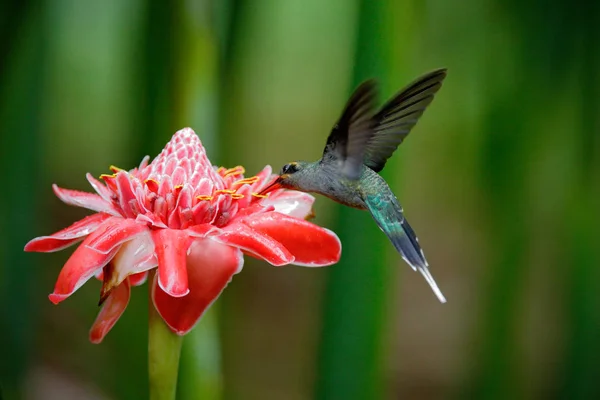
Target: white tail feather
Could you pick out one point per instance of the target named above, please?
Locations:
(427, 275)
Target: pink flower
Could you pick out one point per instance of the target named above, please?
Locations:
(188, 219)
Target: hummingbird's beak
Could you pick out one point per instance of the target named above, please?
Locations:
(276, 184)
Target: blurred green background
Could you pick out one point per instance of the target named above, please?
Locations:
(500, 180)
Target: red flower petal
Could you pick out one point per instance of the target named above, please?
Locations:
(123, 230)
(99, 187)
(201, 230)
(68, 236)
(86, 200)
(171, 246)
(111, 311)
(264, 177)
(134, 257)
(125, 193)
(81, 266)
(252, 209)
(211, 266)
(138, 279)
(255, 243)
(311, 245)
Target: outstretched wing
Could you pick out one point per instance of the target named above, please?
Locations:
(348, 138)
(396, 119)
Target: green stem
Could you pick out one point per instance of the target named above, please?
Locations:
(164, 349)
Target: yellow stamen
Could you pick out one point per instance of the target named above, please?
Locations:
(237, 196)
(224, 191)
(262, 196)
(204, 197)
(220, 170)
(247, 181)
(115, 169)
(239, 170)
(105, 176)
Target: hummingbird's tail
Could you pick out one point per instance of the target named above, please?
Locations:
(408, 246)
(391, 221)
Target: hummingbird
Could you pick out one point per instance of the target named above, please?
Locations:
(357, 149)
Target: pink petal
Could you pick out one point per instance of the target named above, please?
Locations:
(311, 245)
(171, 248)
(81, 266)
(151, 219)
(111, 311)
(144, 163)
(264, 177)
(135, 256)
(252, 209)
(125, 193)
(211, 266)
(291, 202)
(255, 243)
(99, 187)
(109, 180)
(117, 233)
(271, 185)
(138, 279)
(86, 200)
(202, 230)
(134, 279)
(68, 236)
(99, 275)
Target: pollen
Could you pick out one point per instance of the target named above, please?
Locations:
(105, 176)
(237, 196)
(204, 197)
(262, 196)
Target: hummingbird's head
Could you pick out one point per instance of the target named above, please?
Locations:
(291, 176)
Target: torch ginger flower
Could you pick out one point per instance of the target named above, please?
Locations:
(190, 221)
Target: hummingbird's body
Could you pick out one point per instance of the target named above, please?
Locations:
(357, 149)
(328, 181)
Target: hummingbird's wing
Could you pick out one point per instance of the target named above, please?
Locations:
(386, 211)
(395, 119)
(347, 141)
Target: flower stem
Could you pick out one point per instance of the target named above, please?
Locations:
(164, 349)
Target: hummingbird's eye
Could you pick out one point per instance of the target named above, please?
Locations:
(288, 169)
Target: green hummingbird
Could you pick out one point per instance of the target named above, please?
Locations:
(357, 149)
